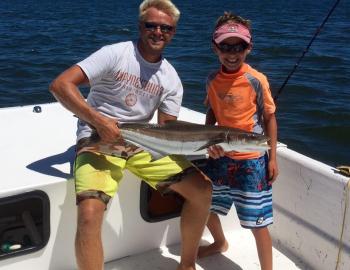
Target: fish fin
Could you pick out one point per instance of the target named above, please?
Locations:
(155, 155)
(213, 141)
(179, 122)
(136, 124)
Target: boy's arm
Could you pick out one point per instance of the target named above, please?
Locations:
(271, 131)
(210, 118)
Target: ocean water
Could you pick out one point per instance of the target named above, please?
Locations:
(39, 39)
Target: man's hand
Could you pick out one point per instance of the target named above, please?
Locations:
(108, 130)
(216, 151)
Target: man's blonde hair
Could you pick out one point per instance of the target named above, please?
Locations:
(164, 5)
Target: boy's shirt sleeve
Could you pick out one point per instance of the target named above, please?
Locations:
(269, 104)
(206, 99)
(210, 77)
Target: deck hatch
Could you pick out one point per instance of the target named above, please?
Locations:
(24, 223)
(155, 207)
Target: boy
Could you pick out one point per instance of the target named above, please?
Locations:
(238, 96)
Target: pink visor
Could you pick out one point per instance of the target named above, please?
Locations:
(232, 30)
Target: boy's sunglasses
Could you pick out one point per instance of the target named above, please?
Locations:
(164, 28)
(232, 48)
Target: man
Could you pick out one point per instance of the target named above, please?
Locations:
(129, 81)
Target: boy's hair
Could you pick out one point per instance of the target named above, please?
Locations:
(230, 17)
(164, 5)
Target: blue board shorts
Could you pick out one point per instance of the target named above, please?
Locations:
(244, 183)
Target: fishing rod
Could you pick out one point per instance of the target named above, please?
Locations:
(306, 50)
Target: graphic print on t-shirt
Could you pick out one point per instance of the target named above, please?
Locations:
(137, 87)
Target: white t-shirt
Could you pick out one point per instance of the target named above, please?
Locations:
(127, 87)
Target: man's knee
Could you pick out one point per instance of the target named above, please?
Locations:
(205, 190)
(203, 181)
(196, 187)
(204, 185)
(90, 213)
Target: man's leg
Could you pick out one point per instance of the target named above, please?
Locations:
(178, 174)
(96, 181)
(88, 244)
(220, 244)
(195, 188)
(264, 247)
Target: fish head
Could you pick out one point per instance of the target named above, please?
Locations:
(247, 138)
(259, 139)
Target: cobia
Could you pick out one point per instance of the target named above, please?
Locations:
(184, 138)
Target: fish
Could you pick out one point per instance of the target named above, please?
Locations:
(184, 138)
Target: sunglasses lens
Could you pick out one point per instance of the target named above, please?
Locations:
(235, 48)
(164, 28)
(150, 26)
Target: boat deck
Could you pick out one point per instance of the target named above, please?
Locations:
(241, 255)
(311, 207)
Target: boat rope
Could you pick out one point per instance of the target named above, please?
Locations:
(305, 50)
(345, 170)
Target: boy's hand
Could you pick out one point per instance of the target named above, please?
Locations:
(216, 151)
(273, 171)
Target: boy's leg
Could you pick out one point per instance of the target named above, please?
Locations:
(220, 244)
(196, 190)
(256, 212)
(264, 247)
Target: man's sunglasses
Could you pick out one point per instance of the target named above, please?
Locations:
(232, 48)
(164, 28)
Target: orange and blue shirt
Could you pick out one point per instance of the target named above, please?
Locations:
(239, 100)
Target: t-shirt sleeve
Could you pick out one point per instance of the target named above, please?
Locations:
(172, 101)
(97, 64)
(206, 101)
(269, 104)
(208, 81)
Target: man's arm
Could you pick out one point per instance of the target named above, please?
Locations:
(271, 131)
(163, 117)
(65, 90)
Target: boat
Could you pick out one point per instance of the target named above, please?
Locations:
(311, 227)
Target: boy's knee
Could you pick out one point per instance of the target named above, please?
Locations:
(261, 232)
